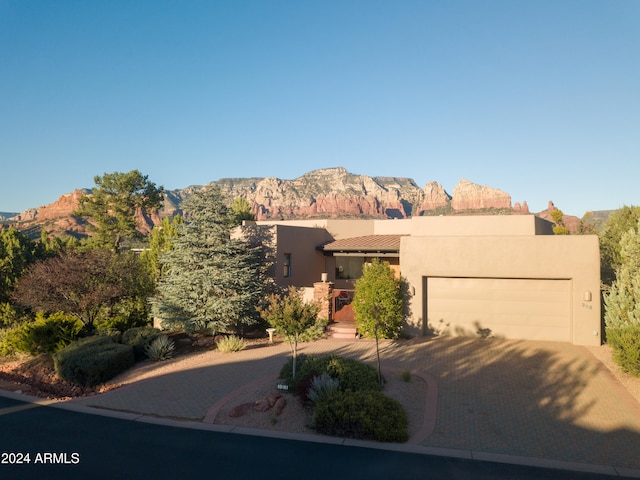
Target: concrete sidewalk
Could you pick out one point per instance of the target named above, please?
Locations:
(535, 403)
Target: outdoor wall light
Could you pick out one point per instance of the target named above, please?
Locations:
(586, 296)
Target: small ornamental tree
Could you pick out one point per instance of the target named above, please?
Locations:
(289, 314)
(82, 283)
(378, 302)
(622, 306)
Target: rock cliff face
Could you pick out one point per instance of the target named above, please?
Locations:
(433, 197)
(56, 218)
(62, 207)
(326, 193)
(329, 192)
(470, 196)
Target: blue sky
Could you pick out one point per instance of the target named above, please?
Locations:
(539, 98)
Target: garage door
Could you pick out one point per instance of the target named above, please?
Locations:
(533, 309)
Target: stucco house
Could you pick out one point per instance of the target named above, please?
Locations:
(501, 276)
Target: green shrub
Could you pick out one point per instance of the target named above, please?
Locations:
(114, 333)
(625, 345)
(10, 316)
(92, 360)
(127, 314)
(232, 343)
(7, 341)
(161, 348)
(139, 338)
(45, 334)
(352, 374)
(315, 331)
(366, 415)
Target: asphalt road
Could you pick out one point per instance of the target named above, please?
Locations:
(69, 445)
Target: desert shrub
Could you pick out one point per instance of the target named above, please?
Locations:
(366, 415)
(352, 374)
(139, 338)
(625, 347)
(405, 376)
(92, 360)
(45, 334)
(322, 387)
(308, 366)
(114, 333)
(160, 348)
(315, 331)
(232, 343)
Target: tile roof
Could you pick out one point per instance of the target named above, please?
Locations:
(368, 243)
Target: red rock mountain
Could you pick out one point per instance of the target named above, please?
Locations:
(326, 193)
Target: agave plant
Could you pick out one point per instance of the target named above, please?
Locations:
(161, 348)
(322, 387)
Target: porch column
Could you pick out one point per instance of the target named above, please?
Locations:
(323, 297)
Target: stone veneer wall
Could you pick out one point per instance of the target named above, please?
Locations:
(323, 297)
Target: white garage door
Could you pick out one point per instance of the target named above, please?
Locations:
(532, 309)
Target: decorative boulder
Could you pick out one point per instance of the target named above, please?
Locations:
(240, 410)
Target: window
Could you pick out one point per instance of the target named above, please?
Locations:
(349, 268)
(287, 265)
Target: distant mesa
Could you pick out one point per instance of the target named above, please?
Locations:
(323, 193)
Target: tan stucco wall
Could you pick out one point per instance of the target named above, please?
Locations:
(480, 225)
(393, 227)
(307, 265)
(543, 256)
(337, 229)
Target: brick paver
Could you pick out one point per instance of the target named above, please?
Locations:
(535, 399)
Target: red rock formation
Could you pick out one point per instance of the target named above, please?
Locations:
(524, 208)
(571, 222)
(434, 197)
(325, 193)
(471, 196)
(57, 217)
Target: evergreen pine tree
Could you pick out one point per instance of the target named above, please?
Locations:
(210, 280)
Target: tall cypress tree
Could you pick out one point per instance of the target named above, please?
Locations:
(210, 280)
